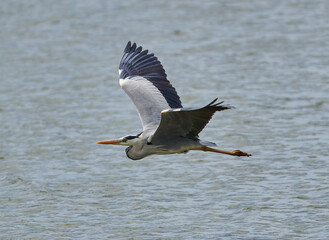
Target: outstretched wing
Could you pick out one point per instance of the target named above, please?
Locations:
(186, 122)
(143, 78)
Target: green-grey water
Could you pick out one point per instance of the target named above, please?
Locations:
(59, 95)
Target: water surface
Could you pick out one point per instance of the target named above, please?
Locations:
(59, 95)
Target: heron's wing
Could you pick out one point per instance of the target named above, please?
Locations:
(186, 122)
(143, 78)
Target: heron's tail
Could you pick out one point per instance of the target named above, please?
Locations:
(206, 143)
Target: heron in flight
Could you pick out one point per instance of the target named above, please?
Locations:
(167, 126)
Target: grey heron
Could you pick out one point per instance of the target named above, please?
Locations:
(167, 126)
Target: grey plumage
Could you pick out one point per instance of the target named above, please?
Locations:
(136, 62)
(167, 126)
(187, 122)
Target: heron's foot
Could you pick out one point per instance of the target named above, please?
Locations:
(240, 153)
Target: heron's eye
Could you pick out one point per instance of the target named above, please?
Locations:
(124, 140)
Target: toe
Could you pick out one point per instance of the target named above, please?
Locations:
(240, 153)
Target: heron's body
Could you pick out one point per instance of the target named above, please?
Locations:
(167, 126)
(143, 149)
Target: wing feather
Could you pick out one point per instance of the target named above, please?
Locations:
(186, 122)
(138, 62)
(147, 99)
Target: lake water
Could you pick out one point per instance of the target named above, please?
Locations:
(59, 95)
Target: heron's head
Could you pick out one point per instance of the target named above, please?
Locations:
(124, 141)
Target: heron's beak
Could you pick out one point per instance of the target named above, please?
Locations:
(115, 142)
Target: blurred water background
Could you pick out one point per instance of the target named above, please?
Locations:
(59, 95)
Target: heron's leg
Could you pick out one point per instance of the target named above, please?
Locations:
(234, 152)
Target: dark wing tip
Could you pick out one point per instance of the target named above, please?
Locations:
(139, 49)
(136, 62)
(213, 101)
(127, 48)
(133, 47)
(218, 106)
